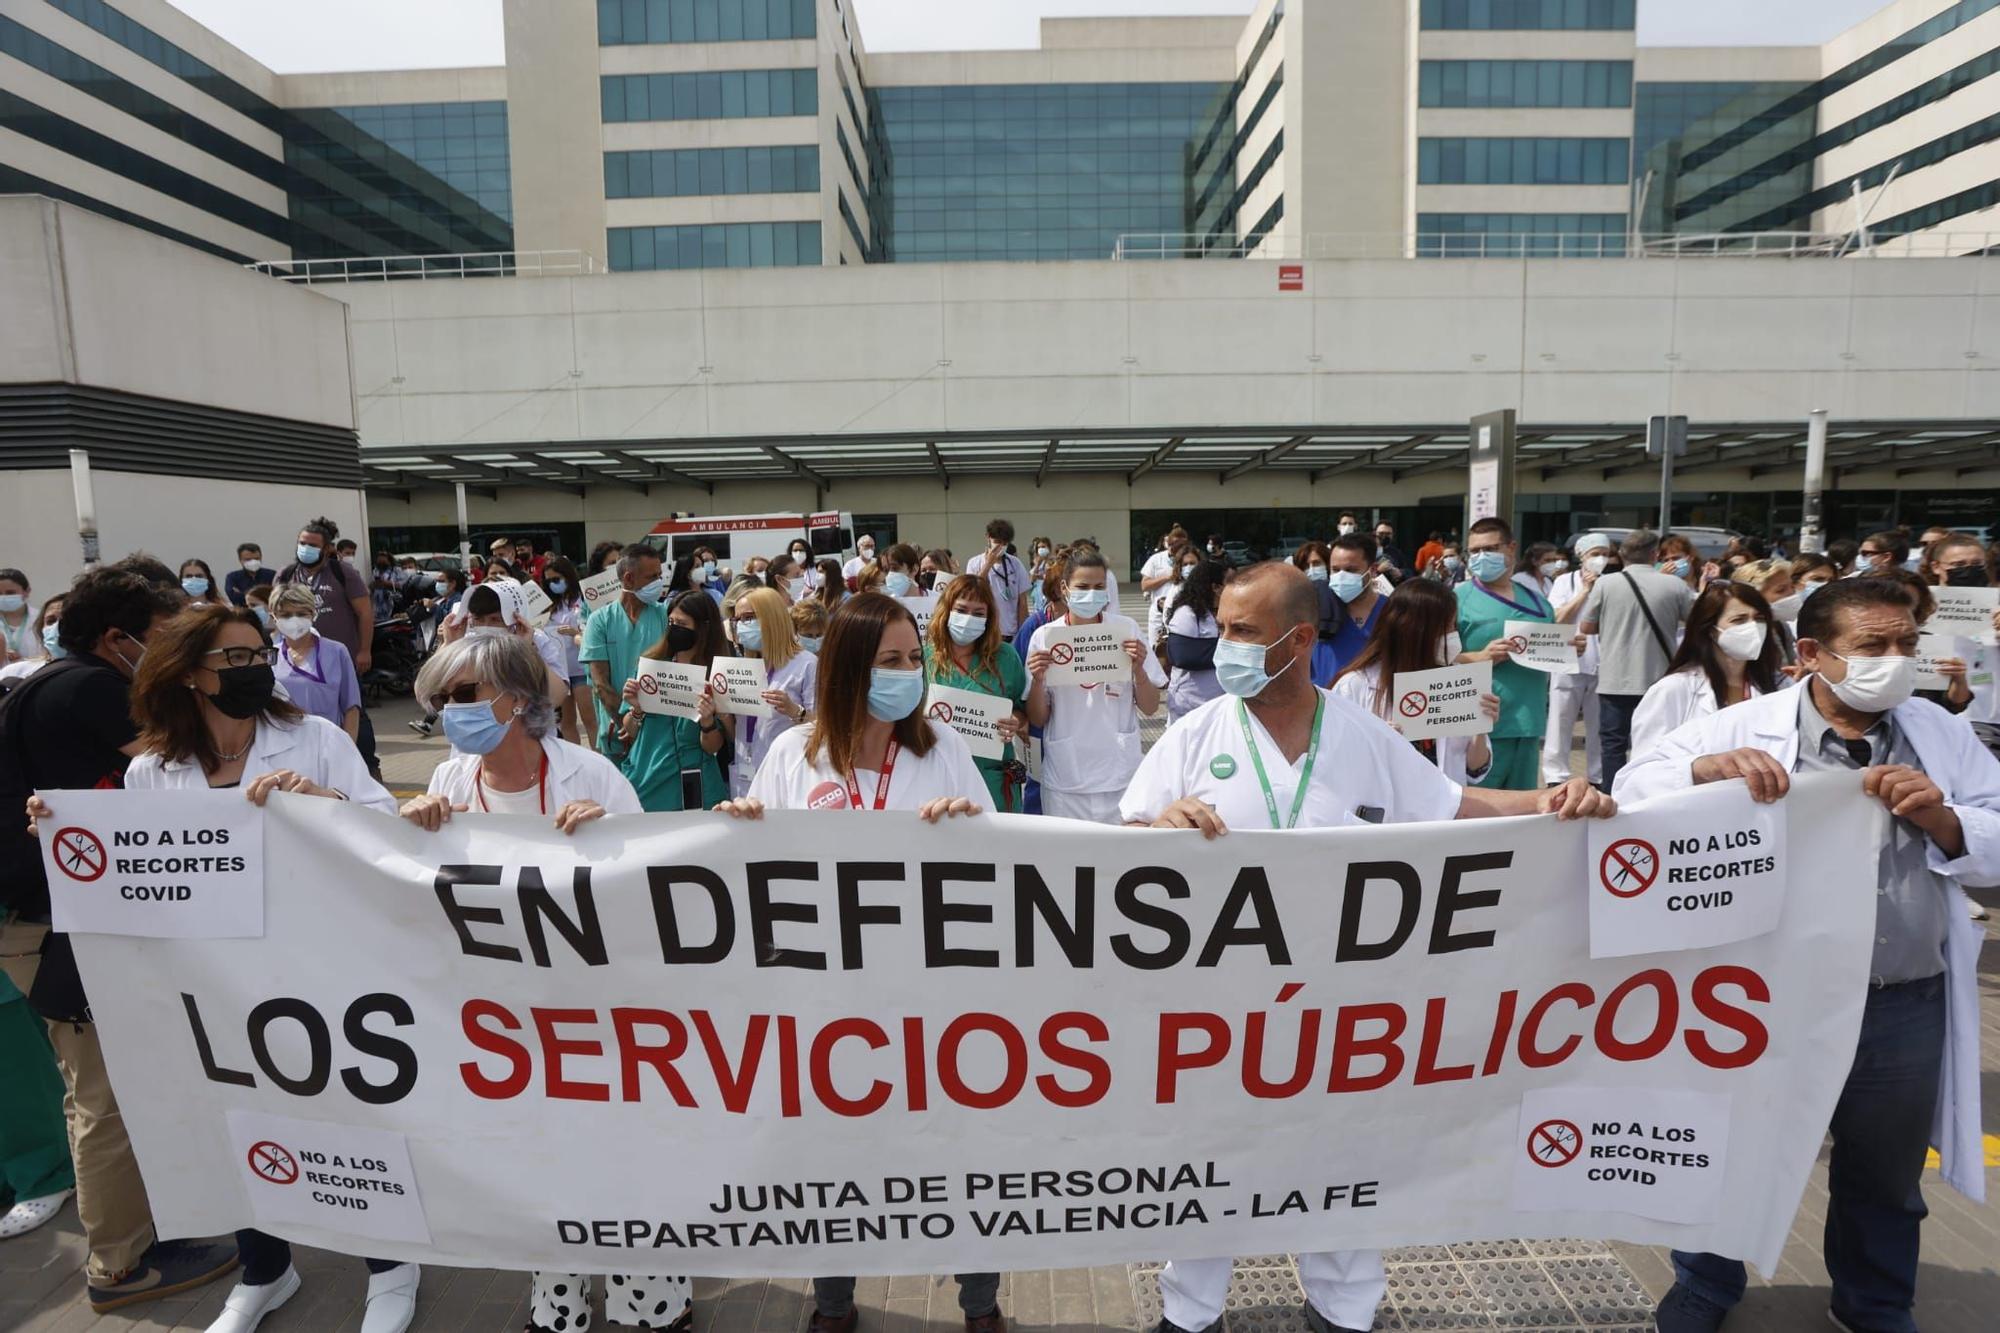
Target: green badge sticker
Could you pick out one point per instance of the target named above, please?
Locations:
(1223, 766)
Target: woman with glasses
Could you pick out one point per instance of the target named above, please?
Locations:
(204, 698)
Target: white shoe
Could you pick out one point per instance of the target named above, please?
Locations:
(392, 1299)
(27, 1214)
(247, 1306)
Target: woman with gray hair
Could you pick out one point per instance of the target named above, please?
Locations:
(507, 758)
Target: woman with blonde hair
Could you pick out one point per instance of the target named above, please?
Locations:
(763, 625)
(317, 674)
(965, 650)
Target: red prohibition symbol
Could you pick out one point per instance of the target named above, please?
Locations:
(941, 711)
(720, 684)
(1413, 704)
(1554, 1143)
(649, 684)
(1628, 867)
(273, 1162)
(80, 854)
(1062, 654)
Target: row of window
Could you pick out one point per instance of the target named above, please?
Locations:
(725, 95)
(714, 245)
(1524, 83)
(1533, 15)
(966, 215)
(143, 42)
(1520, 235)
(1798, 210)
(644, 22)
(677, 172)
(983, 99)
(1507, 161)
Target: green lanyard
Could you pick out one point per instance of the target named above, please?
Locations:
(1305, 774)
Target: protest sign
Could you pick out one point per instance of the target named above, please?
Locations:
(535, 603)
(1706, 868)
(1086, 654)
(176, 864)
(672, 688)
(681, 1044)
(600, 589)
(921, 608)
(1966, 612)
(1542, 647)
(1933, 648)
(1443, 701)
(974, 715)
(737, 685)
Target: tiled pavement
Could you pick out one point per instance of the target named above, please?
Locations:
(1538, 1286)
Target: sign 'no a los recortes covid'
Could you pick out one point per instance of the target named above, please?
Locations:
(872, 1045)
(167, 863)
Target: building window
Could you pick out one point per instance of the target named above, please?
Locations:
(1520, 235)
(726, 95)
(668, 173)
(714, 245)
(642, 22)
(1531, 15)
(1525, 83)
(1478, 161)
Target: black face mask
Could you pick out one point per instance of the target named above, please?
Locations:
(679, 638)
(1972, 576)
(246, 691)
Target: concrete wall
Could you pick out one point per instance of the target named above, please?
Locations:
(554, 122)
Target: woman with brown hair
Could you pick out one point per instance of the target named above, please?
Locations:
(831, 585)
(676, 763)
(1417, 630)
(1729, 653)
(964, 650)
(896, 569)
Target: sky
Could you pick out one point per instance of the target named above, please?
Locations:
(399, 34)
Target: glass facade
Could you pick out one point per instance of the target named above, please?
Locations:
(1524, 83)
(1040, 171)
(677, 172)
(411, 178)
(1672, 126)
(1529, 235)
(1531, 15)
(724, 95)
(715, 245)
(640, 22)
(1479, 161)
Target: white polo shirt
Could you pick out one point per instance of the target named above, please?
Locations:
(786, 781)
(1091, 740)
(1361, 764)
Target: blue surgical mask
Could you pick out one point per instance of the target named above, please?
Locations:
(894, 695)
(1239, 667)
(1487, 566)
(1678, 568)
(965, 630)
(472, 728)
(558, 586)
(708, 569)
(308, 555)
(10, 602)
(810, 644)
(897, 584)
(54, 649)
(194, 585)
(749, 636)
(263, 615)
(652, 592)
(1317, 573)
(1808, 589)
(1347, 584)
(1087, 602)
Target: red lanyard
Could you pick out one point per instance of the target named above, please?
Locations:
(541, 785)
(881, 784)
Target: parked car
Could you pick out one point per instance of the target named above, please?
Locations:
(1709, 543)
(1238, 554)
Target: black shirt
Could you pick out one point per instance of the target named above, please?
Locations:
(237, 583)
(65, 732)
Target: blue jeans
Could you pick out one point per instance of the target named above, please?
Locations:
(1881, 1131)
(1614, 730)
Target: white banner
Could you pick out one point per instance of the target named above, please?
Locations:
(1443, 701)
(672, 688)
(186, 865)
(828, 1044)
(1966, 612)
(1542, 646)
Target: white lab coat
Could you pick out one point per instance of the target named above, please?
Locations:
(312, 747)
(1969, 776)
(575, 774)
(1673, 701)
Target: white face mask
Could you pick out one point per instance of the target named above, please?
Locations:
(1787, 608)
(1595, 564)
(1551, 568)
(1874, 684)
(1743, 641)
(294, 627)
(1347, 529)
(1449, 647)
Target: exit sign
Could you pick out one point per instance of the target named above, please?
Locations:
(1291, 277)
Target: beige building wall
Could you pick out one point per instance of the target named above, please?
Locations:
(554, 146)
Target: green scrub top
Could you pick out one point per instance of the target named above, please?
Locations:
(1523, 691)
(665, 748)
(615, 638)
(1009, 682)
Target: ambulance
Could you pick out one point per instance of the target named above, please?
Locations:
(739, 538)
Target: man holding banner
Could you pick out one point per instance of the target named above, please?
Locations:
(1246, 759)
(1915, 1072)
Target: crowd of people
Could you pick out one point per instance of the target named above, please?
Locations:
(1746, 666)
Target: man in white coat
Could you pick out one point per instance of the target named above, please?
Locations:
(1915, 1071)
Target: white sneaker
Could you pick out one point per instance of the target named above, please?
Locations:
(27, 1214)
(247, 1306)
(392, 1299)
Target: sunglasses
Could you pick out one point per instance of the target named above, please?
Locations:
(458, 694)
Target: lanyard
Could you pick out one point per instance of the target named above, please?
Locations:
(1535, 608)
(311, 670)
(881, 784)
(1305, 774)
(541, 785)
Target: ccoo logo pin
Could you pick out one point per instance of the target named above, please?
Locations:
(1223, 766)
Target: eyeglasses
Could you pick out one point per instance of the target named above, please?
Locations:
(243, 657)
(467, 693)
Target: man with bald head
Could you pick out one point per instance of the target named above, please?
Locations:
(1274, 752)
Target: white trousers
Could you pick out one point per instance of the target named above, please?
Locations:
(1345, 1286)
(1570, 697)
(1098, 807)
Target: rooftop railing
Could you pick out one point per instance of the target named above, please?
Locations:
(1559, 245)
(405, 268)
